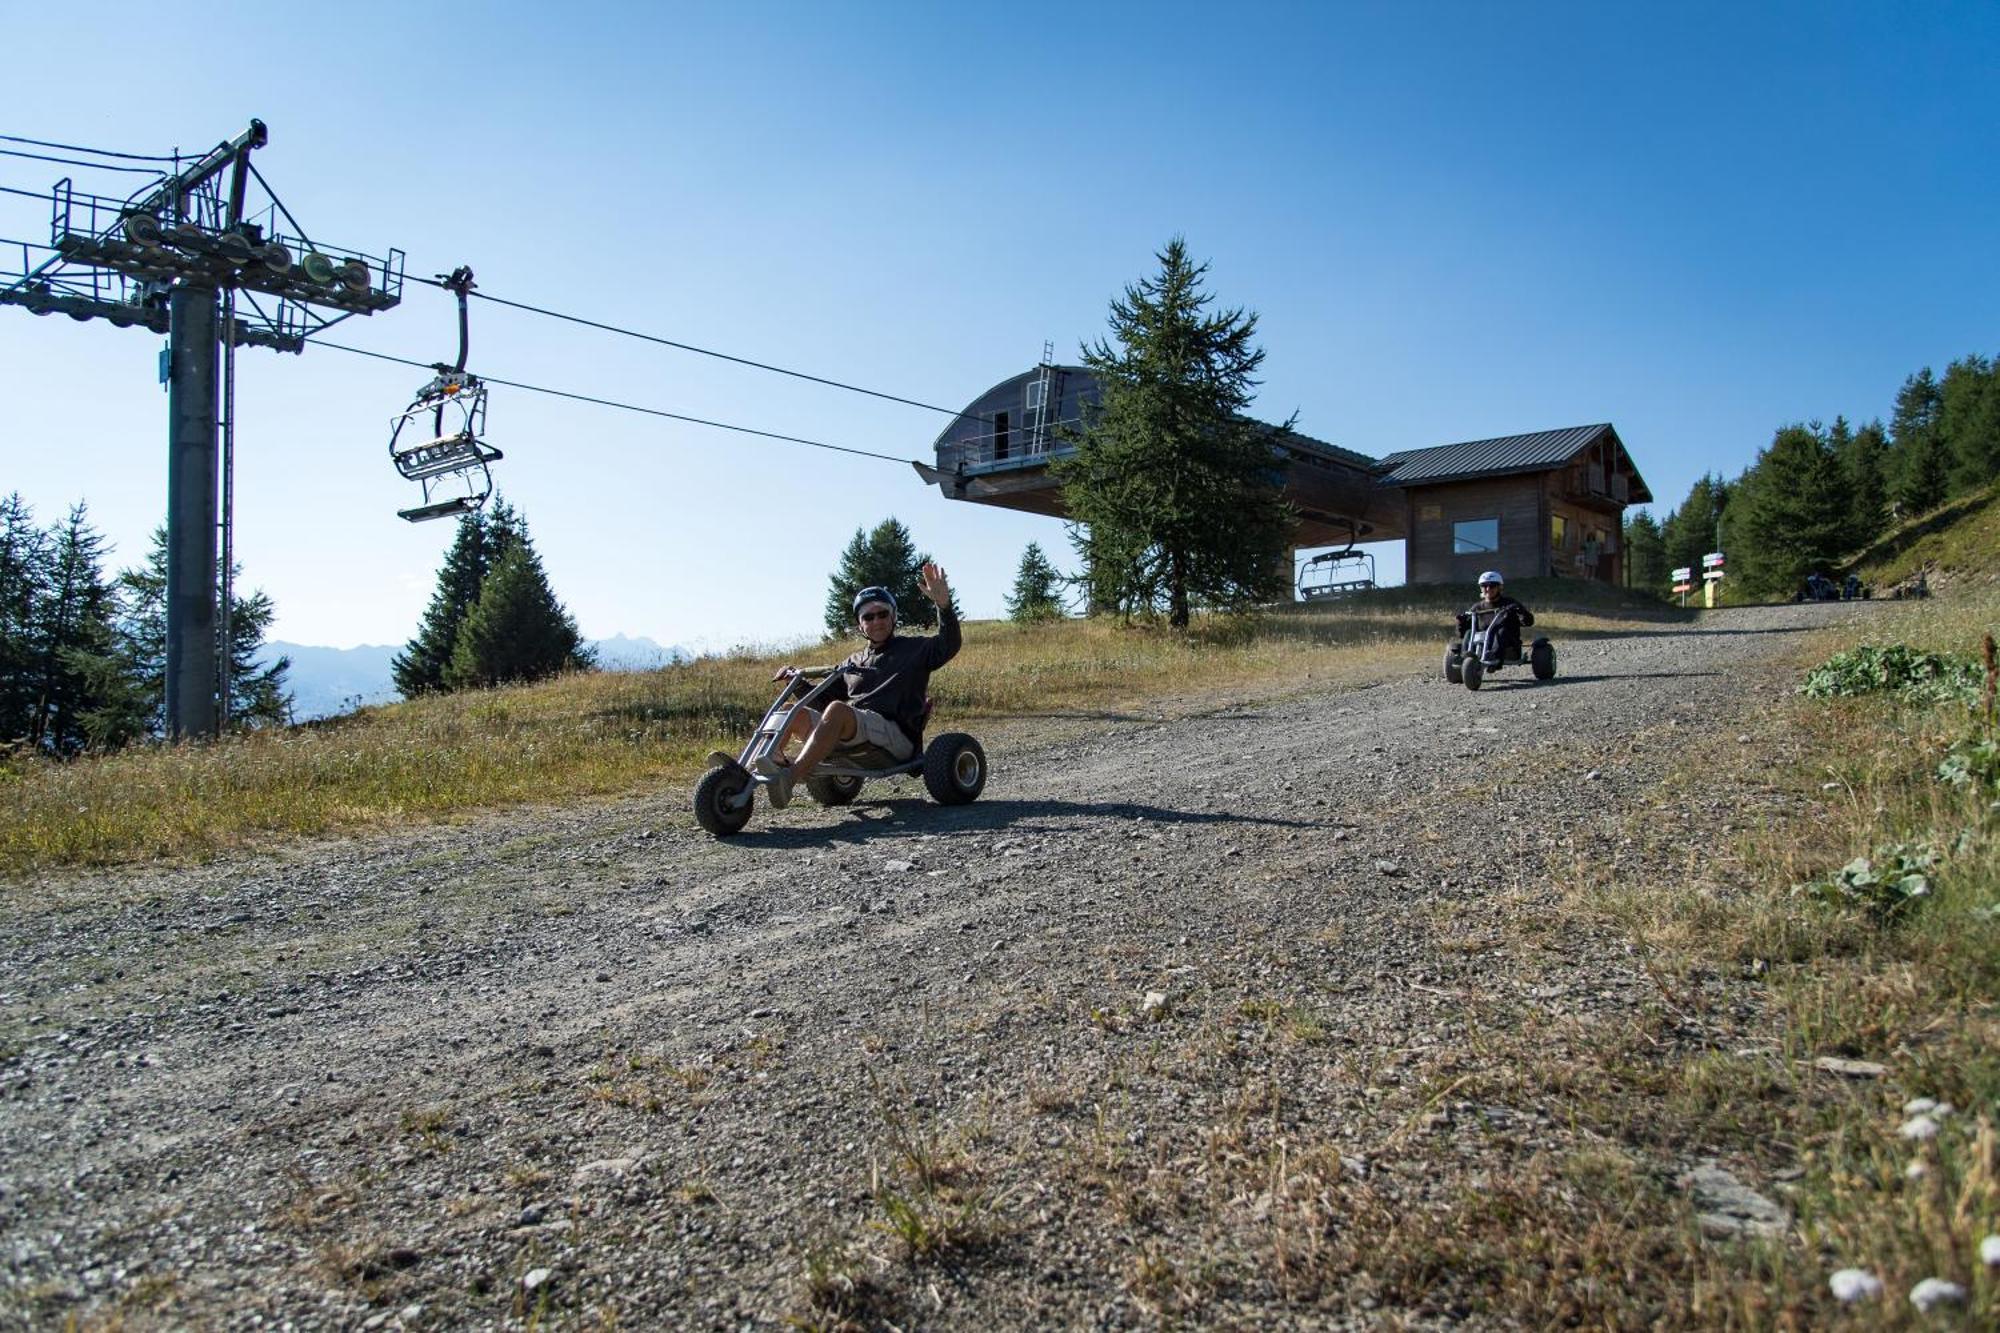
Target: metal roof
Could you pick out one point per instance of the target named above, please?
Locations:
(1293, 439)
(1508, 453)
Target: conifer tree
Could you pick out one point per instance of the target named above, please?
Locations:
(515, 630)
(73, 629)
(1177, 496)
(1865, 467)
(885, 557)
(1969, 422)
(1646, 566)
(257, 694)
(1036, 584)
(420, 667)
(1791, 516)
(1923, 466)
(23, 579)
(1690, 532)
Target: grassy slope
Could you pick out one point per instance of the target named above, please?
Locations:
(592, 735)
(1961, 538)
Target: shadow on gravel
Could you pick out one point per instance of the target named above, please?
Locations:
(1569, 679)
(902, 817)
(1705, 632)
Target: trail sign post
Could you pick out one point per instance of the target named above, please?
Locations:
(1711, 576)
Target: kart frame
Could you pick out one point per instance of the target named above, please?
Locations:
(1477, 649)
(805, 688)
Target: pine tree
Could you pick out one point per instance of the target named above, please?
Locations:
(1036, 583)
(257, 694)
(1690, 532)
(1969, 422)
(1646, 566)
(73, 629)
(516, 630)
(1178, 495)
(1922, 469)
(420, 667)
(23, 583)
(885, 557)
(1865, 468)
(1791, 516)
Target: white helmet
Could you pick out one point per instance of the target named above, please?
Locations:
(1492, 576)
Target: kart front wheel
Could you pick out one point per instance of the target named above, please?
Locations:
(1451, 667)
(1542, 660)
(831, 790)
(1474, 672)
(722, 800)
(954, 769)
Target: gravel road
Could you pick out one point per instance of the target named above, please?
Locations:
(896, 1063)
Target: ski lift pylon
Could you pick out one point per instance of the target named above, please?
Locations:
(436, 442)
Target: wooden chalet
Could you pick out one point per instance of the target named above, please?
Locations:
(1547, 504)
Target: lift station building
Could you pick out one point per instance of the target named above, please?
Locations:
(1548, 503)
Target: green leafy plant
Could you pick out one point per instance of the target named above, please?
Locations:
(1971, 761)
(1885, 885)
(1916, 675)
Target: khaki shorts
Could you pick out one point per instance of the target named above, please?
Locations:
(874, 729)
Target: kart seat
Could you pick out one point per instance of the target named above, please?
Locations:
(874, 756)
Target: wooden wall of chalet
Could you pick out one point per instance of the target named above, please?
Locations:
(1519, 503)
(1587, 547)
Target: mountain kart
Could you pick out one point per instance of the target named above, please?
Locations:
(953, 765)
(1479, 649)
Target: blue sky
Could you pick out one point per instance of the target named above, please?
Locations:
(1698, 222)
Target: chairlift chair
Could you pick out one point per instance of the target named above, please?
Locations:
(436, 442)
(1336, 574)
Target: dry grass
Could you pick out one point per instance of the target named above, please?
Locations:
(1757, 980)
(608, 733)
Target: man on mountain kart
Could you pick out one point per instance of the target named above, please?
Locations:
(878, 698)
(1494, 599)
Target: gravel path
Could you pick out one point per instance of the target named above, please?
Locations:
(927, 1067)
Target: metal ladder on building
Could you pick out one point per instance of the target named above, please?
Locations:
(1048, 399)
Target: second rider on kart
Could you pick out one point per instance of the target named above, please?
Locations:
(1493, 598)
(880, 692)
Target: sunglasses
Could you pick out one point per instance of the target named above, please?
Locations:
(869, 616)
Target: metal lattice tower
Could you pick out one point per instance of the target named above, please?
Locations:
(202, 257)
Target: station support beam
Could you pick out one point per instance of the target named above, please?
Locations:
(192, 464)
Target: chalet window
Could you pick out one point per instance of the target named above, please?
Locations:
(1002, 439)
(1558, 532)
(1475, 536)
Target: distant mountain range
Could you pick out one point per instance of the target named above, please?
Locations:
(326, 681)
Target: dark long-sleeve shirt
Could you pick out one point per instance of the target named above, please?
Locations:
(893, 679)
(1524, 615)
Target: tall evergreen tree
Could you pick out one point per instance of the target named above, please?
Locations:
(1646, 566)
(1969, 422)
(1865, 468)
(886, 557)
(516, 630)
(1791, 516)
(73, 629)
(1177, 495)
(257, 693)
(1036, 594)
(1922, 475)
(1692, 530)
(23, 583)
(420, 667)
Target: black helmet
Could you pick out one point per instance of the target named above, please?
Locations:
(876, 593)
